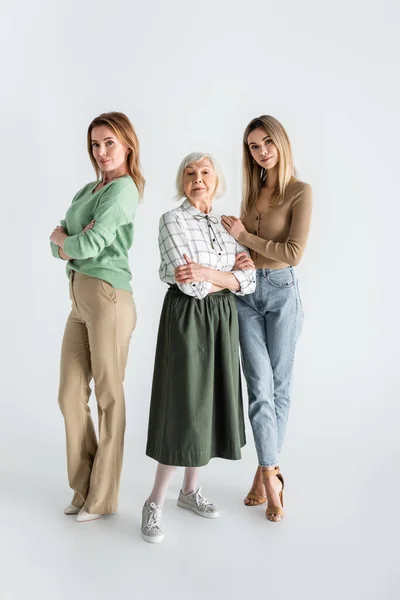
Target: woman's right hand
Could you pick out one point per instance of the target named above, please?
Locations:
(243, 262)
(190, 272)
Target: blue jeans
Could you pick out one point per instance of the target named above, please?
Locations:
(270, 322)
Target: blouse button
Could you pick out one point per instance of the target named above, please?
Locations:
(219, 253)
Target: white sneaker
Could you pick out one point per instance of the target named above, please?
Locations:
(196, 502)
(71, 510)
(85, 516)
(151, 523)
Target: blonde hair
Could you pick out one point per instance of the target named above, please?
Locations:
(196, 157)
(125, 131)
(254, 175)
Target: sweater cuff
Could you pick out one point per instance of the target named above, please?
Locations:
(67, 242)
(54, 250)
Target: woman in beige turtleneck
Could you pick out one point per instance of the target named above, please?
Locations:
(274, 225)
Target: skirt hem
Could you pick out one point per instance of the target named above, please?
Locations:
(194, 461)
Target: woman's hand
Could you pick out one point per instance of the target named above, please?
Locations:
(190, 272)
(90, 226)
(62, 255)
(58, 236)
(243, 262)
(233, 225)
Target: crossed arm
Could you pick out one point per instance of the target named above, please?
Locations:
(194, 272)
(59, 236)
(195, 279)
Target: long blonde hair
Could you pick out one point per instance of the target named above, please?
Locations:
(253, 175)
(125, 131)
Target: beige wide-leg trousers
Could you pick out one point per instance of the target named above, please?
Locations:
(95, 344)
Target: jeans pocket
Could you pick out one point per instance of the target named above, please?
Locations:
(281, 278)
(298, 295)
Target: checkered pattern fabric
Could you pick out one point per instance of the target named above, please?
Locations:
(186, 230)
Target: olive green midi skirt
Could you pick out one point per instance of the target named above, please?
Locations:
(196, 410)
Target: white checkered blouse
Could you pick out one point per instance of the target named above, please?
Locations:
(186, 230)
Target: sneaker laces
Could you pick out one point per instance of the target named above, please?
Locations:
(201, 501)
(153, 516)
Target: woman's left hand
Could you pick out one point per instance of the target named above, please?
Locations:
(58, 236)
(190, 272)
(89, 226)
(243, 262)
(233, 225)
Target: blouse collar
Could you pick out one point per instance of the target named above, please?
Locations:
(188, 206)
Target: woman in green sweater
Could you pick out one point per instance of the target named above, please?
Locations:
(94, 239)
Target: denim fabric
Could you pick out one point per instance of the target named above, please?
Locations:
(270, 322)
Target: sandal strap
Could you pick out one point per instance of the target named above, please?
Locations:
(275, 510)
(260, 499)
(270, 472)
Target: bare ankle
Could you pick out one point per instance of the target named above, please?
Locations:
(154, 500)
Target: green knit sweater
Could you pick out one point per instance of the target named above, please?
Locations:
(101, 252)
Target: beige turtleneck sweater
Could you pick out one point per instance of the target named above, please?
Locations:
(277, 236)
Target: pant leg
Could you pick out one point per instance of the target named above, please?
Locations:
(258, 374)
(74, 393)
(283, 325)
(110, 317)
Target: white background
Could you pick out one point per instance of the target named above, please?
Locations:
(190, 76)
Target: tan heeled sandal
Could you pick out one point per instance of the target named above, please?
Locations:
(258, 498)
(274, 510)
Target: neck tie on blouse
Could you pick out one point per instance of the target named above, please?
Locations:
(211, 231)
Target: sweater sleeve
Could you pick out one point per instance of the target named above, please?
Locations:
(54, 247)
(111, 213)
(291, 251)
(173, 244)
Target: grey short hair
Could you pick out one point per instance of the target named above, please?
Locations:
(195, 157)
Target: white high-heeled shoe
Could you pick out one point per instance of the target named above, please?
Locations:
(85, 516)
(71, 510)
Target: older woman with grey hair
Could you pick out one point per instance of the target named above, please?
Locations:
(196, 410)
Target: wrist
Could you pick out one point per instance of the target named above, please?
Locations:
(206, 273)
(242, 235)
(62, 239)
